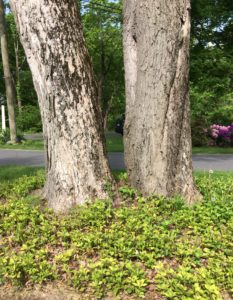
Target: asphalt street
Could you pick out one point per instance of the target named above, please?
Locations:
(221, 162)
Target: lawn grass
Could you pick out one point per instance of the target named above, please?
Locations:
(214, 174)
(25, 145)
(212, 150)
(11, 173)
(114, 143)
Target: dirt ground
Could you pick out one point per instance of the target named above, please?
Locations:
(59, 292)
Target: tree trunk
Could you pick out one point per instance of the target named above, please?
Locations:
(17, 69)
(106, 111)
(102, 75)
(52, 37)
(100, 92)
(157, 133)
(10, 91)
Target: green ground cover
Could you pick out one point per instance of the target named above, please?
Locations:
(152, 247)
(114, 143)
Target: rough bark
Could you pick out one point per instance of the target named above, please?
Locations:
(157, 133)
(53, 41)
(10, 90)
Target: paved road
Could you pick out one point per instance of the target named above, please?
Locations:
(222, 162)
(37, 158)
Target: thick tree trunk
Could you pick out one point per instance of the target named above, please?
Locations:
(10, 91)
(157, 132)
(52, 37)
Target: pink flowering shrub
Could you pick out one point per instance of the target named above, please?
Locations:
(223, 135)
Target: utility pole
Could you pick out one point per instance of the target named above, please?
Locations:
(3, 114)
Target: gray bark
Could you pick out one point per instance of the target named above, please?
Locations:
(53, 41)
(10, 90)
(157, 133)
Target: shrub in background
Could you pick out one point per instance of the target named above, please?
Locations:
(222, 135)
(5, 136)
(29, 120)
(199, 136)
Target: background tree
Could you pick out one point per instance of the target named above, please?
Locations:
(27, 114)
(211, 64)
(77, 168)
(10, 89)
(102, 23)
(157, 130)
(29, 119)
(19, 57)
(211, 71)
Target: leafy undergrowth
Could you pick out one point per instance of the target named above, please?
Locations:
(152, 246)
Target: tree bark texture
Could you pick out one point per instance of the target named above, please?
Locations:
(157, 133)
(52, 37)
(10, 90)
